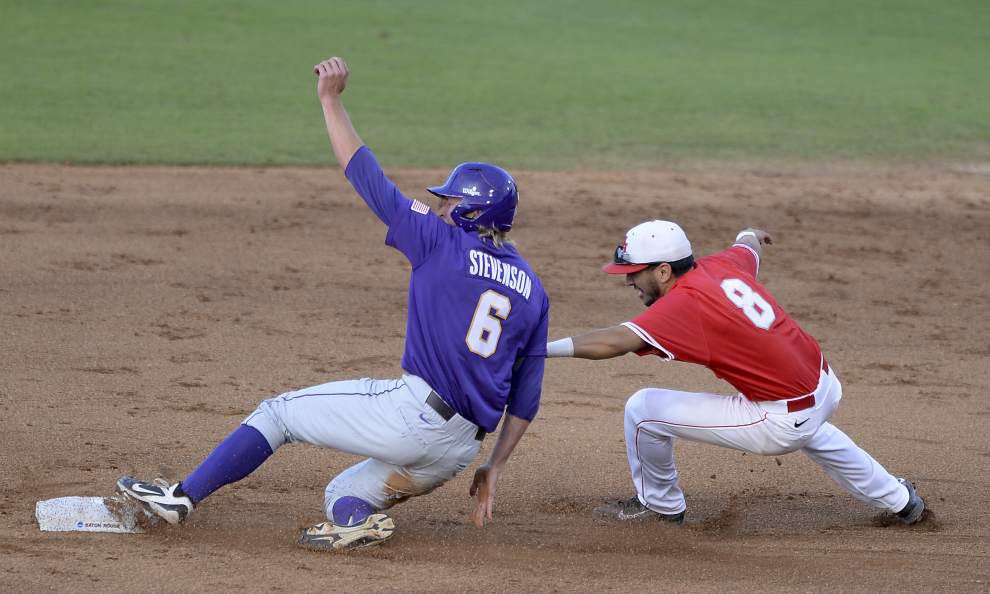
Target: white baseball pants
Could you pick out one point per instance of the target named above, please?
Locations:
(411, 449)
(654, 417)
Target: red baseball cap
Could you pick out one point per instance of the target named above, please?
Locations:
(649, 243)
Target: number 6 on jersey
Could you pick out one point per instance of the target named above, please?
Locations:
(486, 328)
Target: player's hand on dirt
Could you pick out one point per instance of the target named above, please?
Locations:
(483, 490)
(333, 77)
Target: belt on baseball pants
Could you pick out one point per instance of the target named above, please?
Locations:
(797, 404)
(444, 410)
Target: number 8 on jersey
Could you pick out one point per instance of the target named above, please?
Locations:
(750, 302)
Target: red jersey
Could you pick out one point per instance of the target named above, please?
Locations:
(719, 316)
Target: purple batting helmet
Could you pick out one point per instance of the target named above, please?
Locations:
(482, 188)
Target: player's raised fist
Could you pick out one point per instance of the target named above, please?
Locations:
(332, 75)
(763, 237)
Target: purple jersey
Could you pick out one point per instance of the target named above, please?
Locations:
(477, 324)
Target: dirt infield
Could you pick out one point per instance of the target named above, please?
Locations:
(146, 311)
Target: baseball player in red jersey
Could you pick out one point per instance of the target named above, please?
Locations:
(713, 312)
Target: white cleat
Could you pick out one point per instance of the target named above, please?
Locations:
(327, 536)
(159, 498)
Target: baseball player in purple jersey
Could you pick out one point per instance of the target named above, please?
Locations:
(475, 346)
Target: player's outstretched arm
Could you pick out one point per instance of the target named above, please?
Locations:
(344, 139)
(597, 344)
(755, 239)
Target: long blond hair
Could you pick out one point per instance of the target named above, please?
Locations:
(498, 238)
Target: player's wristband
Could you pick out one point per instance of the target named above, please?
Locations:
(744, 234)
(561, 348)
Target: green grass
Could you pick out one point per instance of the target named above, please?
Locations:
(527, 84)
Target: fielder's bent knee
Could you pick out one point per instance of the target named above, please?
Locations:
(635, 402)
(636, 405)
(634, 408)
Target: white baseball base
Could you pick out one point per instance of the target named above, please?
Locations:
(90, 514)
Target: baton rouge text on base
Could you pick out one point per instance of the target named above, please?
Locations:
(487, 266)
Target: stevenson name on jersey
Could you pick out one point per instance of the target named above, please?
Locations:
(488, 266)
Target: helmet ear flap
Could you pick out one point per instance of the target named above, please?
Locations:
(466, 215)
